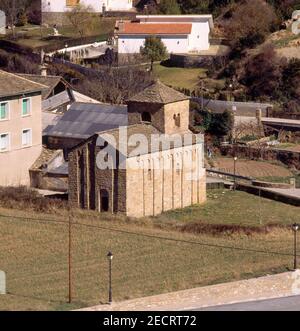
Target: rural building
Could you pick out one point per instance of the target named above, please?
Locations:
(53, 10)
(181, 34)
(2, 22)
(81, 121)
(154, 178)
(57, 96)
(20, 127)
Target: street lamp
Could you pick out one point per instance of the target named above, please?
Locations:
(234, 172)
(295, 227)
(110, 257)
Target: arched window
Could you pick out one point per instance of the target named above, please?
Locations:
(177, 119)
(146, 117)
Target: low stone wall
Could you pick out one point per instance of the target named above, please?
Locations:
(259, 183)
(289, 158)
(264, 193)
(191, 61)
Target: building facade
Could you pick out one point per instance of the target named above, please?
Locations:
(148, 171)
(53, 9)
(20, 128)
(180, 33)
(2, 22)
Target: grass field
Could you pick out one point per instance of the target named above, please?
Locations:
(34, 36)
(179, 77)
(234, 208)
(151, 256)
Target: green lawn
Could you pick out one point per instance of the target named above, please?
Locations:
(150, 256)
(179, 77)
(35, 36)
(234, 207)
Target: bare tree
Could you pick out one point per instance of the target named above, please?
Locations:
(12, 9)
(81, 19)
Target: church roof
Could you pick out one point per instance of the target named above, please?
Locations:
(156, 141)
(158, 93)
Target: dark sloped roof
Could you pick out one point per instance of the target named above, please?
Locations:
(50, 81)
(83, 120)
(11, 84)
(158, 93)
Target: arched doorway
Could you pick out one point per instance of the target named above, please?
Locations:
(104, 201)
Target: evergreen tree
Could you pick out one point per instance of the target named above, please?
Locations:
(154, 50)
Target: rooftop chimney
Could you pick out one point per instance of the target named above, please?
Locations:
(43, 70)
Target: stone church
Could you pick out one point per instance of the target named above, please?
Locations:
(152, 165)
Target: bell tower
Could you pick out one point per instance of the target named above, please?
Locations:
(161, 106)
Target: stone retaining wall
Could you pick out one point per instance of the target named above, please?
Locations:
(191, 61)
(265, 193)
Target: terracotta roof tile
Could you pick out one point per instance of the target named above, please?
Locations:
(155, 29)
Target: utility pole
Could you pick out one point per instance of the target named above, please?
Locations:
(70, 260)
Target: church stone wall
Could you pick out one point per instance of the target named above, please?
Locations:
(177, 108)
(151, 191)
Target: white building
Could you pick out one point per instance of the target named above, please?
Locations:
(179, 33)
(2, 22)
(61, 6)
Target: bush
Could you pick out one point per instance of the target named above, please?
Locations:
(25, 198)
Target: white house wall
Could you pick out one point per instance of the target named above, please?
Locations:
(132, 44)
(199, 38)
(59, 6)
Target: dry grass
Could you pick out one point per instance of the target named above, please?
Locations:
(34, 256)
(182, 249)
(252, 168)
(24, 198)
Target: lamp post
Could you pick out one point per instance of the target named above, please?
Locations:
(295, 229)
(110, 257)
(234, 172)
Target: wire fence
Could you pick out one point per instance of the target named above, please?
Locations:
(49, 262)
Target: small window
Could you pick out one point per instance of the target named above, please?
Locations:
(146, 117)
(25, 107)
(26, 137)
(177, 119)
(3, 111)
(4, 142)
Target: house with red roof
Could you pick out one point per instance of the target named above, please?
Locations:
(181, 34)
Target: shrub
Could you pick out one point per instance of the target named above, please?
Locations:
(25, 198)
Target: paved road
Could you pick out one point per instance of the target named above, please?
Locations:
(281, 304)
